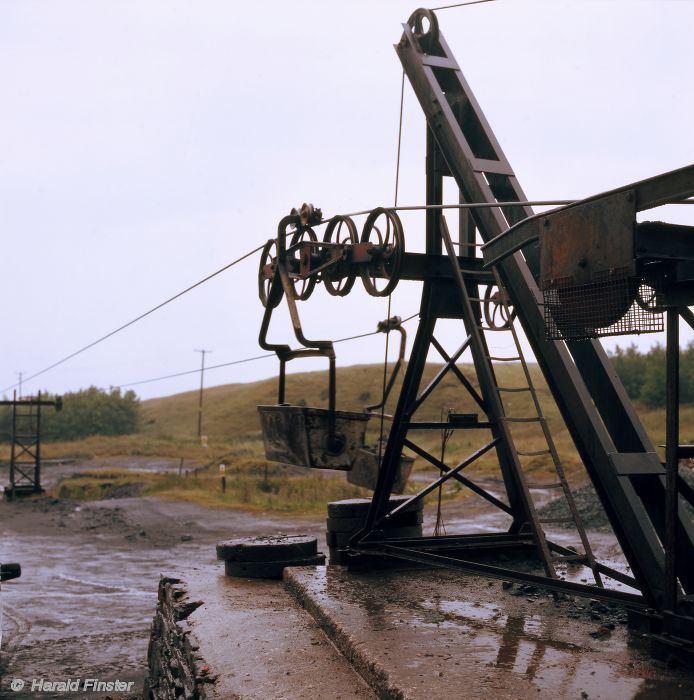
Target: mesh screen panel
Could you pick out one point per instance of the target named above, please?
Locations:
(615, 305)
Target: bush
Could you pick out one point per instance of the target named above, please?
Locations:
(88, 412)
(644, 374)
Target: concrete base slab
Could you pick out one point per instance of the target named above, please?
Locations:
(224, 638)
(439, 634)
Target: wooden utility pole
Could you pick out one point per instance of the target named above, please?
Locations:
(202, 375)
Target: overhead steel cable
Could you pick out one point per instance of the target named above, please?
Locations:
(196, 371)
(135, 320)
(238, 362)
(459, 4)
(484, 205)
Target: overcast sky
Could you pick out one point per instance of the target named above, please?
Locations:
(144, 145)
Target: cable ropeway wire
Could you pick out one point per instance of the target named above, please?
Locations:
(238, 362)
(460, 4)
(135, 320)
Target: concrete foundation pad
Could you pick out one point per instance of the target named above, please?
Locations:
(440, 634)
(225, 638)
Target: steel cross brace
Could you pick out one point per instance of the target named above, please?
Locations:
(611, 441)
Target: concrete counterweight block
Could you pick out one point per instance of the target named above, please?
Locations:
(267, 557)
(347, 517)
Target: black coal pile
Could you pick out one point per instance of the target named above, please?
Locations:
(589, 507)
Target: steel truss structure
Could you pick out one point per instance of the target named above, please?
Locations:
(25, 444)
(532, 270)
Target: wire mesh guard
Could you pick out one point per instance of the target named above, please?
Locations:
(617, 304)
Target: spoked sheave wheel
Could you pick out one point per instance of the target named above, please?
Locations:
(266, 274)
(649, 299)
(303, 288)
(383, 228)
(497, 314)
(339, 277)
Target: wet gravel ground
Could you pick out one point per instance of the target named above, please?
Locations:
(84, 603)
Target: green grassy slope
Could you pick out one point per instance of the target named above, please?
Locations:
(230, 410)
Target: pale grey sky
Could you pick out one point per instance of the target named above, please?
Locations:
(145, 144)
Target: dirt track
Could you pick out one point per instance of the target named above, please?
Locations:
(84, 602)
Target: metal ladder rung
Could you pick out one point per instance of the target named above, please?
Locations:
(513, 388)
(536, 453)
(503, 359)
(553, 485)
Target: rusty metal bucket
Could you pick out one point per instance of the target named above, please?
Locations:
(300, 436)
(366, 466)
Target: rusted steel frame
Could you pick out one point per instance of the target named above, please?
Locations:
(672, 440)
(450, 363)
(602, 568)
(449, 472)
(459, 477)
(384, 327)
(649, 193)
(37, 469)
(12, 449)
(472, 541)
(312, 348)
(592, 432)
(421, 266)
(513, 471)
(398, 433)
(399, 552)
(440, 374)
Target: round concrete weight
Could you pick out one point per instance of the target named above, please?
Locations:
(268, 569)
(405, 519)
(341, 539)
(359, 507)
(267, 549)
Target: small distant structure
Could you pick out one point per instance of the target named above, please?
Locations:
(25, 454)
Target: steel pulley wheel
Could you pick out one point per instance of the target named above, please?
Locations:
(339, 277)
(266, 273)
(498, 314)
(389, 239)
(649, 299)
(425, 27)
(302, 288)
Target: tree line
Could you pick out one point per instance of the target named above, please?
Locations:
(643, 374)
(87, 412)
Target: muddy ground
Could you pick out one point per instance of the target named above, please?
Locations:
(84, 603)
(85, 600)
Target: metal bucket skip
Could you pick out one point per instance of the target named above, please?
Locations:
(299, 436)
(366, 466)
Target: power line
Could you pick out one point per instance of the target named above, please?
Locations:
(196, 371)
(460, 4)
(238, 362)
(136, 319)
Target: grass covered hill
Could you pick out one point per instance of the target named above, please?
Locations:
(168, 428)
(230, 410)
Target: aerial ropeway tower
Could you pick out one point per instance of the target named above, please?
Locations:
(564, 278)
